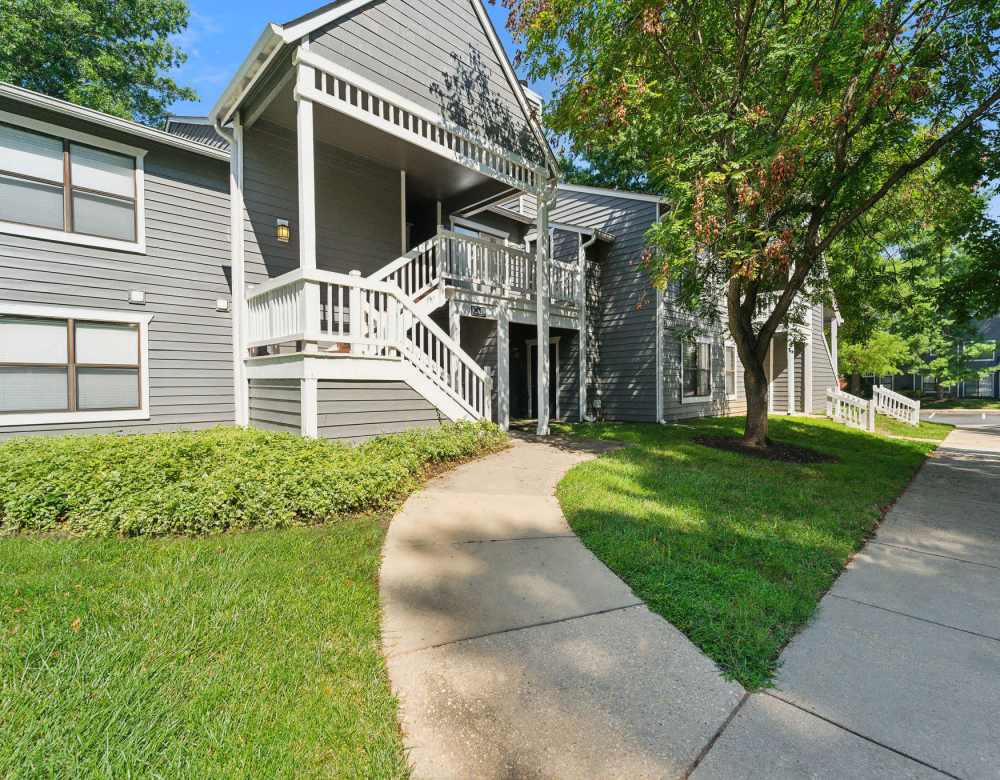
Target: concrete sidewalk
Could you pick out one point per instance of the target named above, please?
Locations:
(898, 674)
(515, 653)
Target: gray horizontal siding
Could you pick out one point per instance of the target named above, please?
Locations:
(183, 272)
(622, 310)
(357, 207)
(436, 54)
(357, 411)
(779, 381)
(677, 327)
(823, 373)
(276, 404)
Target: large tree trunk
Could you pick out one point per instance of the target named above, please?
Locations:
(755, 384)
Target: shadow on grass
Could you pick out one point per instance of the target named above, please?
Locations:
(735, 552)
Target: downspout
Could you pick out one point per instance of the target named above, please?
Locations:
(236, 227)
(582, 303)
(659, 330)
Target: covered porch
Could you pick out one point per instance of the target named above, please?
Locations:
(352, 278)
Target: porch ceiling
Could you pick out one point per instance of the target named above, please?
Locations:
(428, 175)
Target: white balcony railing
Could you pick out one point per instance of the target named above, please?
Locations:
(454, 259)
(348, 315)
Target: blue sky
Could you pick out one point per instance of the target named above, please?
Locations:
(220, 34)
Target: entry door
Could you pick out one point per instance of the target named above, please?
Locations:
(553, 378)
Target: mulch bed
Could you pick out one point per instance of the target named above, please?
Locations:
(776, 450)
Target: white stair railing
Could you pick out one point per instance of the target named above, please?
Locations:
(453, 258)
(850, 410)
(418, 271)
(350, 315)
(892, 404)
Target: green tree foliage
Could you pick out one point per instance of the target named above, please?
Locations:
(776, 131)
(111, 56)
(883, 354)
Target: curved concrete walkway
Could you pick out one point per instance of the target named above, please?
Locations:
(898, 674)
(515, 653)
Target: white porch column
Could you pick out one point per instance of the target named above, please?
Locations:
(770, 377)
(659, 353)
(307, 199)
(402, 214)
(236, 237)
(310, 408)
(807, 362)
(306, 172)
(454, 322)
(503, 366)
(581, 302)
(790, 350)
(833, 348)
(543, 252)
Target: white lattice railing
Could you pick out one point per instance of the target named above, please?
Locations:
(850, 410)
(892, 404)
(452, 258)
(346, 314)
(357, 96)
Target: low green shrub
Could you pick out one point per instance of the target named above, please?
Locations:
(216, 480)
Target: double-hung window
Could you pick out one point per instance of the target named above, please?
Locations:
(696, 370)
(66, 365)
(67, 186)
(730, 371)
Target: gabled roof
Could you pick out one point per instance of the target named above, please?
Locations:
(275, 38)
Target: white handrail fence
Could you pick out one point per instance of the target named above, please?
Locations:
(347, 314)
(850, 410)
(454, 258)
(892, 404)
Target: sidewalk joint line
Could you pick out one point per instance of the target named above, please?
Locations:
(935, 555)
(715, 737)
(916, 617)
(858, 734)
(516, 539)
(517, 628)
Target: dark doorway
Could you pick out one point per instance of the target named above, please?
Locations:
(553, 379)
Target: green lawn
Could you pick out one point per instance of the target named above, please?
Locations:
(961, 403)
(185, 652)
(925, 430)
(735, 552)
(244, 655)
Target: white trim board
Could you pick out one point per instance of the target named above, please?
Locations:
(38, 100)
(585, 190)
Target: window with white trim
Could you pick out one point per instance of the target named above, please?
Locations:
(71, 367)
(68, 186)
(730, 370)
(696, 369)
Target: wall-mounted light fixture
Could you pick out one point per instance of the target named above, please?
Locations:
(222, 304)
(137, 297)
(282, 231)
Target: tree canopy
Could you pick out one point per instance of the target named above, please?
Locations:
(111, 56)
(780, 133)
